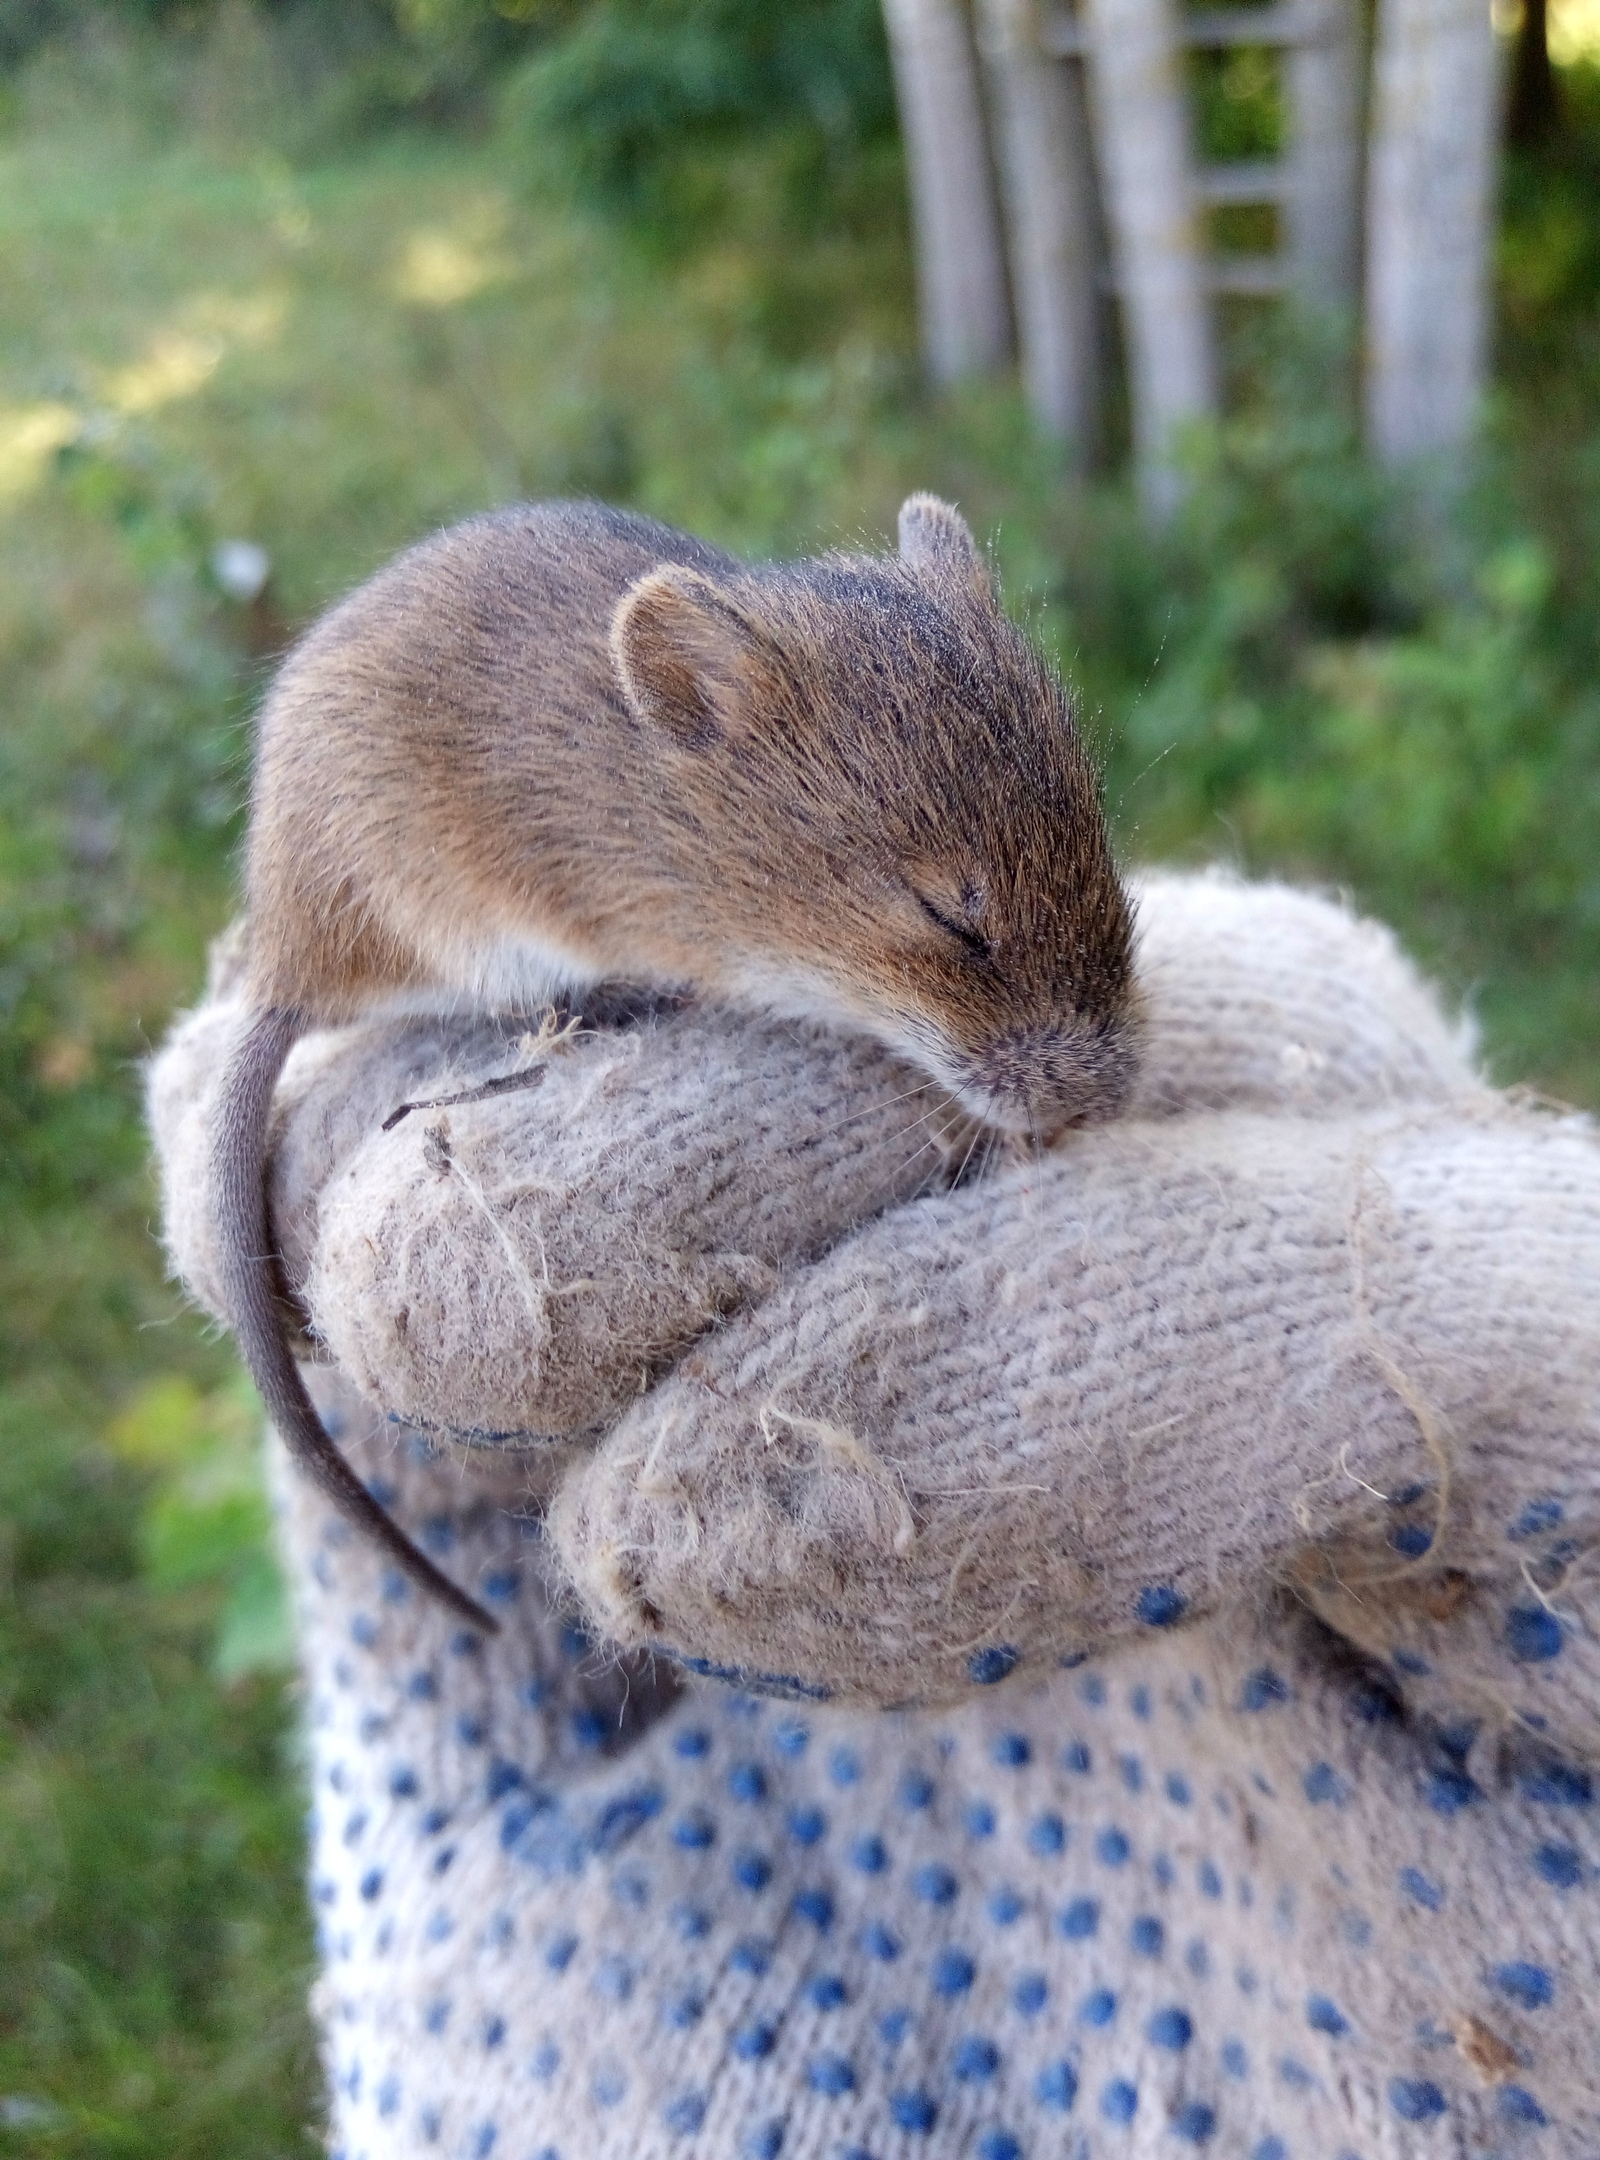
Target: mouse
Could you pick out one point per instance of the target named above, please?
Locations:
(563, 744)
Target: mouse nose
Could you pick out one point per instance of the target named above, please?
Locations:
(1041, 1079)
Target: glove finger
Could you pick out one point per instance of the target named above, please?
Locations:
(1261, 997)
(1169, 1370)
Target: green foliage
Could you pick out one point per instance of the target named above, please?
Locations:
(1315, 671)
(206, 1523)
(149, 1923)
(628, 102)
(1238, 94)
(619, 100)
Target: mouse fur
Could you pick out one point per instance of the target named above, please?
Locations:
(563, 744)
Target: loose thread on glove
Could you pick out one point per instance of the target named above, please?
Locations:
(851, 1450)
(992, 1630)
(656, 1484)
(1429, 1422)
(531, 1291)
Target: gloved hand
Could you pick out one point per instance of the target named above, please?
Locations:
(1311, 1329)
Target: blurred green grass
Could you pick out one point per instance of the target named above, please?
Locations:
(229, 321)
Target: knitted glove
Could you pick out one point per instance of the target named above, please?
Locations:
(1225, 1883)
(1141, 1381)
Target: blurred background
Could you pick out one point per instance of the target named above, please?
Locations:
(283, 286)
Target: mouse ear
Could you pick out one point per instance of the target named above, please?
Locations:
(690, 662)
(936, 542)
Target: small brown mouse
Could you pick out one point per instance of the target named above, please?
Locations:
(564, 744)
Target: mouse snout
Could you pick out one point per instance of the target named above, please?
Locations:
(1040, 1079)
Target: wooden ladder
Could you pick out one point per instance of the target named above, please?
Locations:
(1383, 195)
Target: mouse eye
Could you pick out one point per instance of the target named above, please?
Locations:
(975, 943)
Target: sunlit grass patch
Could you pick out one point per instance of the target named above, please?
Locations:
(442, 265)
(30, 435)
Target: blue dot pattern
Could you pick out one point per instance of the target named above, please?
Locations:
(1176, 1899)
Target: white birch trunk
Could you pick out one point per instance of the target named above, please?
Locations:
(1048, 180)
(1141, 110)
(961, 285)
(1429, 187)
(1323, 196)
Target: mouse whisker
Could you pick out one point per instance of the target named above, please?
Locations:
(932, 1141)
(911, 1127)
(980, 1136)
(872, 1108)
(931, 1145)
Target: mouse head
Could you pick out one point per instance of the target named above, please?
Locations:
(879, 803)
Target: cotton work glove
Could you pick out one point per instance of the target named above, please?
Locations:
(1215, 1494)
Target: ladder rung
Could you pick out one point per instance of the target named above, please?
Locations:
(1212, 27)
(1063, 36)
(1250, 180)
(1255, 275)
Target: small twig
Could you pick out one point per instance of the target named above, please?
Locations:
(506, 1084)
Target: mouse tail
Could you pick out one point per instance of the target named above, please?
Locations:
(249, 1284)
